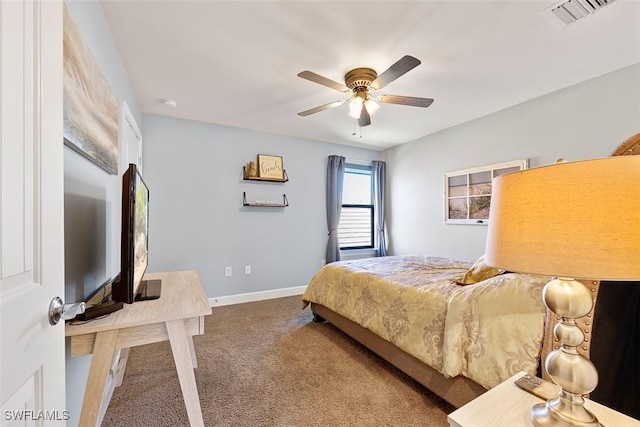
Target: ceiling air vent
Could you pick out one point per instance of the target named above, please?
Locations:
(570, 11)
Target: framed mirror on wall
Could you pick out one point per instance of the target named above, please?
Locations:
(467, 192)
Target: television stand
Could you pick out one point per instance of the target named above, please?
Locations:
(148, 290)
(177, 316)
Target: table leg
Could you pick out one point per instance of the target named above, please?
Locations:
(192, 350)
(182, 358)
(103, 351)
(122, 365)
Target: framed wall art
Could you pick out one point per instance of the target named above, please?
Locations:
(467, 192)
(270, 166)
(90, 107)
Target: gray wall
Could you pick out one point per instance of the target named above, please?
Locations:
(197, 221)
(91, 198)
(584, 121)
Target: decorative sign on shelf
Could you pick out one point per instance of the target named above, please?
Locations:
(270, 166)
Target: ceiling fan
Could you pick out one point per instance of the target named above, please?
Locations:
(361, 83)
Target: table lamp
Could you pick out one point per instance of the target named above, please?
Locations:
(574, 220)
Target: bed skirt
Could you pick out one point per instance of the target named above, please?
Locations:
(457, 391)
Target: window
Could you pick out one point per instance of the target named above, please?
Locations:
(468, 192)
(355, 230)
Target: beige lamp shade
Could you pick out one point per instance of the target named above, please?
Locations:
(579, 220)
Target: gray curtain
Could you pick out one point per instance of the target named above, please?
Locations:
(378, 172)
(335, 184)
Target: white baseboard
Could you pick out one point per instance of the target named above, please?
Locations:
(256, 296)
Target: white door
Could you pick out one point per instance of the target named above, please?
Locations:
(32, 378)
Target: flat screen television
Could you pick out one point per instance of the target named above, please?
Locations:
(129, 286)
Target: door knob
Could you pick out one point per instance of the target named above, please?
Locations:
(58, 310)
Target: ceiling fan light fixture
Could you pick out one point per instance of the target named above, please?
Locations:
(372, 106)
(355, 107)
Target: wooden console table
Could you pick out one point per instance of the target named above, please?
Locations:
(176, 316)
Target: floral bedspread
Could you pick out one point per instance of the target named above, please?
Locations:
(487, 331)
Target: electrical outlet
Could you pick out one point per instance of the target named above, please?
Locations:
(247, 269)
(227, 271)
(323, 263)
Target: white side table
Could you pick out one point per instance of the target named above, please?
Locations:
(509, 405)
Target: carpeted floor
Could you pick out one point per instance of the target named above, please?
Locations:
(267, 364)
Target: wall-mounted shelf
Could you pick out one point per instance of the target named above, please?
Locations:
(265, 203)
(257, 178)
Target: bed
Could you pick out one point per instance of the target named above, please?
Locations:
(459, 328)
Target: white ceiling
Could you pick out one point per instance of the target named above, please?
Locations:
(235, 63)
